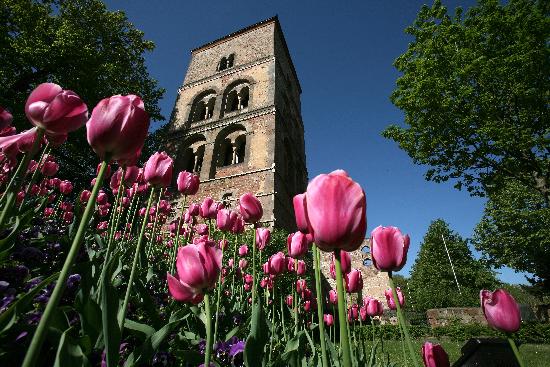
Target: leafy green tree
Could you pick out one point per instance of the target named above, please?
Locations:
(432, 283)
(515, 231)
(81, 46)
(474, 89)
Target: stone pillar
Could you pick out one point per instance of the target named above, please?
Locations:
(208, 161)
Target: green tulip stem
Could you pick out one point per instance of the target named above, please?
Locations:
(13, 178)
(373, 334)
(176, 245)
(516, 351)
(154, 231)
(253, 264)
(112, 230)
(401, 319)
(295, 299)
(136, 258)
(344, 341)
(14, 186)
(320, 312)
(219, 291)
(208, 330)
(234, 266)
(283, 317)
(132, 209)
(33, 353)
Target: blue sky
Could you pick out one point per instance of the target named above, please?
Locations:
(343, 57)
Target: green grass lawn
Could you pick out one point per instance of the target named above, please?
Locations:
(534, 355)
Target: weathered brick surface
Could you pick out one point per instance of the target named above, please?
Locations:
(464, 315)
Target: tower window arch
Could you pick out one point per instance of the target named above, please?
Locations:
(237, 98)
(230, 147)
(203, 107)
(226, 62)
(191, 157)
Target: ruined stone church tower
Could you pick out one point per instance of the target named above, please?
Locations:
(237, 121)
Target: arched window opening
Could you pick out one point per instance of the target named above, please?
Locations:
(226, 153)
(199, 159)
(230, 60)
(232, 101)
(188, 160)
(223, 64)
(240, 148)
(227, 198)
(210, 108)
(243, 98)
(200, 111)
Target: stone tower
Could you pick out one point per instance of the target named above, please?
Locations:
(237, 121)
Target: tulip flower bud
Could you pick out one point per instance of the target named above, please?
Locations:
(391, 302)
(208, 208)
(193, 209)
(433, 355)
(265, 267)
(301, 285)
(250, 208)
(101, 198)
(188, 183)
(65, 187)
(48, 212)
(301, 267)
(389, 248)
(202, 229)
(238, 225)
(354, 281)
(85, 196)
(501, 310)
(328, 319)
(333, 297)
(373, 306)
(277, 263)
(224, 220)
(49, 168)
(336, 211)
(353, 313)
(158, 170)
(118, 127)
(300, 212)
(297, 245)
(289, 300)
(55, 110)
(243, 250)
(262, 237)
(243, 263)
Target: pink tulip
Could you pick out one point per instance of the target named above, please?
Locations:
(48, 212)
(248, 278)
(5, 118)
(501, 310)
(68, 217)
(208, 208)
(230, 263)
(373, 306)
(289, 300)
(194, 209)
(102, 225)
(243, 263)
(223, 243)
(158, 170)
(265, 267)
(49, 168)
(11, 145)
(250, 208)
(307, 306)
(301, 267)
(85, 196)
(238, 226)
(198, 266)
(363, 313)
(301, 285)
(391, 302)
(65, 187)
(243, 250)
(55, 110)
(188, 183)
(389, 248)
(262, 238)
(353, 313)
(277, 263)
(433, 355)
(305, 293)
(131, 175)
(300, 212)
(118, 127)
(333, 297)
(336, 211)
(224, 220)
(102, 198)
(266, 283)
(328, 319)
(345, 264)
(20, 196)
(354, 281)
(66, 207)
(297, 244)
(290, 264)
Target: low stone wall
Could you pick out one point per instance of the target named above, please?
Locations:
(464, 315)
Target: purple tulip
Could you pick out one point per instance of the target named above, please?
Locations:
(224, 220)
(250, 208)
(389, 298)
(297, 244)
(158, 170)
(188, 183)
(354, 281)
(208, 208)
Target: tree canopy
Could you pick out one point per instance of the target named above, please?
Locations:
(432, 283)
(474, 89)
(81, 46)
(515, 231)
